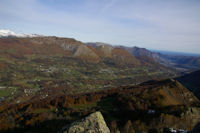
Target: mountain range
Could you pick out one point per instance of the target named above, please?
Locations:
(9, 33)
(48, 81)
(98, 50)
(179, 62)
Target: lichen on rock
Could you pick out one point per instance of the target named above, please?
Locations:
(94, 123)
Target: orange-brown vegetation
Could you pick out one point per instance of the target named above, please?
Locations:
(166, 97)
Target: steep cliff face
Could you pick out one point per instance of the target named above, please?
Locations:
(94, 123)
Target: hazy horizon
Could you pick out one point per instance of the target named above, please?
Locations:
(171, 25)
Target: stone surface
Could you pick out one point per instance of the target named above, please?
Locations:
(94, 123)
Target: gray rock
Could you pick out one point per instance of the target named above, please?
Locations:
(94, 123)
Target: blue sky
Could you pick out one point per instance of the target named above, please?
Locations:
(172, 25)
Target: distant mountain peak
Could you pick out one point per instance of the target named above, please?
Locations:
(9, 33)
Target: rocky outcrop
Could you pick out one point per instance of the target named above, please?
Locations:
(94, 123)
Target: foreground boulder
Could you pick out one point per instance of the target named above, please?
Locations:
(94, 123)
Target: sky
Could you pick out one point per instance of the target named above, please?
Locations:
(172, 25)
